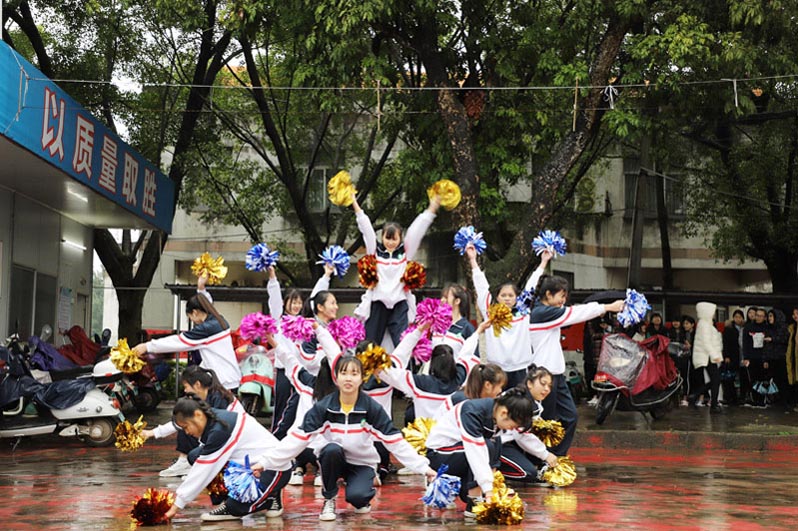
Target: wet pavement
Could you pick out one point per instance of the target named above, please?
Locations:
(53, 483)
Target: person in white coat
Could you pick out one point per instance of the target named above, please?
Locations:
(707, 355)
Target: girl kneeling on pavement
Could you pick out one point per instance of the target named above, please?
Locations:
(225, 436)
(343, 426)
(523, 452)
(467, 439)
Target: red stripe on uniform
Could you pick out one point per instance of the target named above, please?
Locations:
(552, 324)
(229, 446)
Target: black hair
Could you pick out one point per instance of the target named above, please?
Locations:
(200, 302)
(290, 295)
(186, 407)
(550, 284)
(656, 314)
(391, 228)
(688, 318)
(506, 285)
(738, 311)
(207, 379)
(535, 372)
(520, 406)
(460, 293)
(324, 381)
(442, 365)
(320, 299)
(484, 372)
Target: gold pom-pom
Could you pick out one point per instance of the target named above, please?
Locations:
(125, 359)
(561, 475)
(367, 271)
(448, 191)
(341, 190)
(561, 501)
(550, 432)
(151, 508)
(504, 507)
(217, 487)
(128, 436)
(500, 317)
(415, 276)
(374, 359)
(416, 434)
(213, 268)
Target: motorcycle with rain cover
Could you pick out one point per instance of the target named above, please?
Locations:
(257, 378)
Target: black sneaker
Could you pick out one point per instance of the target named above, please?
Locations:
(218, 514)
(274, 506)
(469, 510)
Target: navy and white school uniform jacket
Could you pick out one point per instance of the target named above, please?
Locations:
(214, 345)
(511, 350)
(391, 266)
(545, 323)
(527, 440)
(455, 336)
(467, 426)
(355, 432)
(215, 400)
(381, 392)
(428, 392)
(276, 306)
(237, 435)
(301, 379)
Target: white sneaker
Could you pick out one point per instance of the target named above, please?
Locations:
(406, 472)
(593, 402)
(317, 482)
(180, 467)
(363, 510)
(219, 514)
(297, 477)
(328, 510)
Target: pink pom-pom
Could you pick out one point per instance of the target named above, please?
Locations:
(297, 328)
(423, 351)
(347, 331)
(257, 325)
(435, 312)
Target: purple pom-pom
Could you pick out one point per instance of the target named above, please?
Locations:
(257, 325)
(347, 331)
(435, 312)
(549, 240)
(297, 328)
(261, 258)
(241, 483)
(442, 490)
(467, 235)
(635, 308)
(336, 256)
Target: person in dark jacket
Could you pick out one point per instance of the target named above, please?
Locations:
(732, 349)
(656, 326)
(775, 355)
(756, 335)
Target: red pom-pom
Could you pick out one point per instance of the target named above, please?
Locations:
(151, 508)
(415, 276)
(367, 271)
(217, 487)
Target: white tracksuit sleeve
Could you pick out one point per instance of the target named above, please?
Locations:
(397, 377)
(286, 450)
(403, 351)
(323, 284)
(416, 231)
(468, 356)
(164, 430)
(476, 451)
(367, 230)
(483, 291)
(532, 282)
(532, 445)
(275, 298)
(329, 345)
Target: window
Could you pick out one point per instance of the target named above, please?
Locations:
(318, 199)
(32, 301)
(674, 191)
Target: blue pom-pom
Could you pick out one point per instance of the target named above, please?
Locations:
(634, 310)
(549, 240)
(468, 235)
(261, 258)
(241, 483)
(336, 256)
(442, 490)
(523, 303)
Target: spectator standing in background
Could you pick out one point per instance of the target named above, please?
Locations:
(792, 353)
(707, 355)
(732, 348)
(755, 336)
(776, 355)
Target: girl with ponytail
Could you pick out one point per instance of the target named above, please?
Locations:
(210, 336)
(225, 436)
(467, 439)
(203, 384)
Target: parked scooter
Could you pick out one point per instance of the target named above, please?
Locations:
(72, 408)
(257, 381)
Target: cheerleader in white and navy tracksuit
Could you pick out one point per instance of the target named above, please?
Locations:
(203, 384)
(523, 452)
(511, 350)
(343, 426)
(225, 436)
(461, 329)
(388, 304)
(545, 321)
(466, 438)
(210, 336)
(447, 374)
(291, 305)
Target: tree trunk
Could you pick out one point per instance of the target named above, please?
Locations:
(131, 303)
